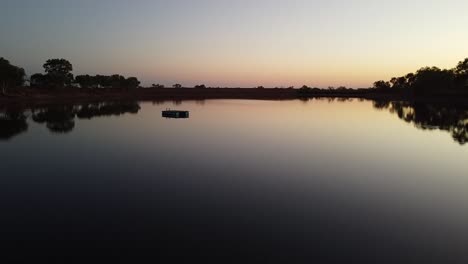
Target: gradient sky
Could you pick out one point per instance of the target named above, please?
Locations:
(237, 43)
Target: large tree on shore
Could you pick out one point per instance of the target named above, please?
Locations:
(132, 83)
(429, 80)
(382, 85)
(461, 73)
(10, 75)
(59, 72)
(462, 68)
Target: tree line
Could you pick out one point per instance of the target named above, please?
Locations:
(58, 74)
(429, 80)
(102, 81)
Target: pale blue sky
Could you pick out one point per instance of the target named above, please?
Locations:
(237, 43)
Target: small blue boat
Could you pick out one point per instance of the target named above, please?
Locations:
(168, 113)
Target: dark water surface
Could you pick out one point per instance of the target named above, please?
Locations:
(288, 181)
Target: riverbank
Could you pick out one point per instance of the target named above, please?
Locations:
(44, 96)
(31, 97)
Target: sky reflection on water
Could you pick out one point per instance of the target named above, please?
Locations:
(331, 179)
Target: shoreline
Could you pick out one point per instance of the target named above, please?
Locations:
(35, 97)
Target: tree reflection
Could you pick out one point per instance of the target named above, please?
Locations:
(381, 104)
(451, 118)
(58, 119)
(12, 123)
(88, 111)
(61, 119)
(177, 102)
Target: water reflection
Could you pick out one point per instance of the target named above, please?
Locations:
(12, 123)
(330, 99)
(59, 119)
(88, 111)
(451, 118)
(280, 177)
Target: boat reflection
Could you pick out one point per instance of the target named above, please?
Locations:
(168, 113)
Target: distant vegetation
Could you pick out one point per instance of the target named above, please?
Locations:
(427, 81)
(58, 74)
(306, 91)
(102, 81)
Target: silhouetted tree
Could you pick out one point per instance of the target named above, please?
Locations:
(399, 83)
(200, 86)
(410, 77)
(38, 80)
(382, 85)
(86, 81)
(461, 72)
(10, 75)
(431, 79)
(132, 83)
(177, 85)
(113, 81)
(462, 68)
(103, 81)
(117, 81)
(158, 86)
(59, 72)
(58, 67)
(304, 90)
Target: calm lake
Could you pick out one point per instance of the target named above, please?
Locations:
(323, 178)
